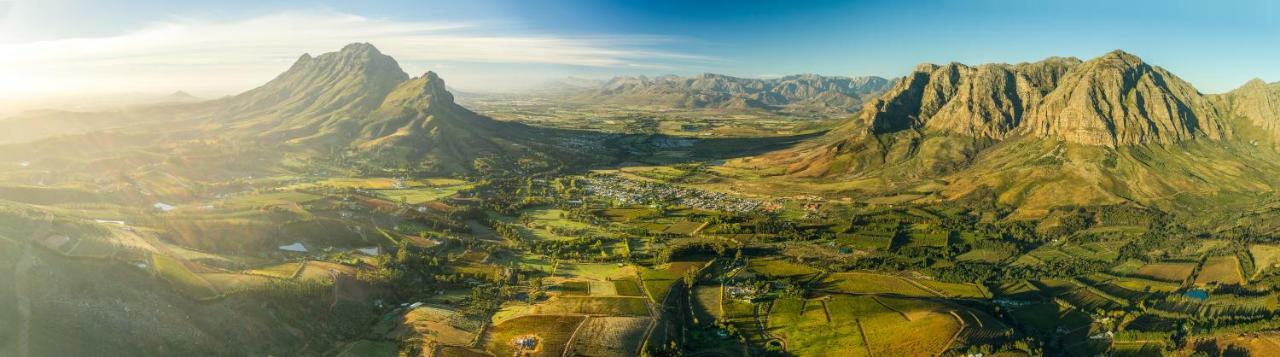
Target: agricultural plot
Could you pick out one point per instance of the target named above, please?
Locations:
(435, 324)
(686, 228)
(983, 255)
(420, 195)
(1018, 290)
(1078, 296)
(624, 214)
(1266, 257)
(551, 333)
(920, 236)
(775, 267)
(229, 283)
(1223, 270)
(1166, 271)
(264, 200)
(658, 281)
(871, 283)
(627, 287)
(610, 336)
(862, 325)
(956, 290)
(281, 271)
(609, 306)
(574, 288)
(1047, 317)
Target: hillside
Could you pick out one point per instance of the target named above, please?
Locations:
(793, 93)
(1051, 133)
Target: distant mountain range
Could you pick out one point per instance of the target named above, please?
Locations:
(806, 92)
(1055, 132)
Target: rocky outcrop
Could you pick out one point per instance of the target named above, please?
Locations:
(1112, 100)
(986, 101)
(1117, 99)
(1258, 102)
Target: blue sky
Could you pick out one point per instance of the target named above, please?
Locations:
(499, 45)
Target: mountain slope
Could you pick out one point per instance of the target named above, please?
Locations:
(1051, 133)
(797, 92)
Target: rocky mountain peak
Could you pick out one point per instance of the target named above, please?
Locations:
(1117, 99)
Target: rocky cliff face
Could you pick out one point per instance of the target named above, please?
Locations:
(1258, 102)
(1112, 100)
(353, 80)
(986, 101)
(1117, 100)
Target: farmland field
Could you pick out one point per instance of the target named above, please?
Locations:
(627, 287)
(612, 306)
(552, 332)
(1266, 257)
(871, 283)
(1220, 270)
(1168, 271)
(781, 268)
(610, 336)
(658, 281)
(838, 324)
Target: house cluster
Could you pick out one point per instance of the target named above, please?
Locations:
(631, 192)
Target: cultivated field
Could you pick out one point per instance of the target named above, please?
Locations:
(1266, 257)
(552, 333)
(610, 336)
(872, 283)
(862, 325)
(1168, 271)
(1220, 270)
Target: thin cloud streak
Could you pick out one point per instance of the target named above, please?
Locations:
(224, 57)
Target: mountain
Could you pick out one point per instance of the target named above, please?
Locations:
(806, 92)
(1050, 133)
(358, 100)
(1258, 102)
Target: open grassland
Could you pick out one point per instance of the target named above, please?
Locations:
(1220, 270)
(1266, 257)
(1166, 271)
(436, 324)
(182, 279)
(264, 200)
(871, 283)
(552, 332)
(862, 325)
(610, 336)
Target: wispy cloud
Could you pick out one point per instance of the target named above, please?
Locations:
(195, 54)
